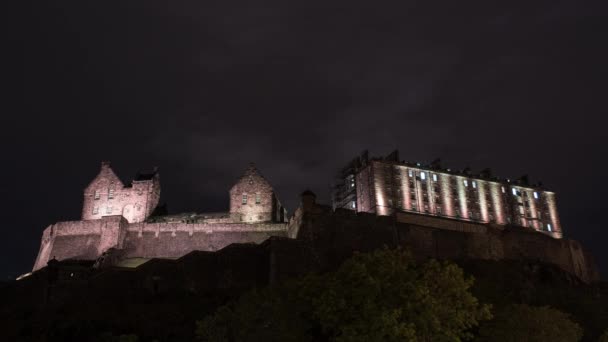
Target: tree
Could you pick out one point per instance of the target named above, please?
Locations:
(604, 337)
(380, 296)
(521, 322)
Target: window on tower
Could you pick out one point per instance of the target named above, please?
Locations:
(258, 198)
(244, 201)
(111, 194)
(97, 194)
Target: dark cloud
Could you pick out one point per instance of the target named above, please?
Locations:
(202, 88)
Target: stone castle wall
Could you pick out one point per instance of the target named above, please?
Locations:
(89, 239)
(315, 238)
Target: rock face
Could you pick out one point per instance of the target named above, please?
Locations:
(331, 236)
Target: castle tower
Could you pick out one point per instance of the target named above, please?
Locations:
(107, 195)
(252, 199)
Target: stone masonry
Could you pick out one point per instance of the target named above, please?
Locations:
(118, 218)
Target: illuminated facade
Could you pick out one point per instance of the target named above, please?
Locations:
(386, 185)
(120, 220)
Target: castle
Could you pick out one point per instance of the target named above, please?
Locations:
(118, 216)
(435, 212)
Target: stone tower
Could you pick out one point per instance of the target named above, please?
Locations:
(106, 195)
(252, 199)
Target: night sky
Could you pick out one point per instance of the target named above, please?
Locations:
(202, 88)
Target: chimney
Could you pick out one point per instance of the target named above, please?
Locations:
(308, 200)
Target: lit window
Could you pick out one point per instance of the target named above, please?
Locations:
(423, 175)
(353, 205)
(109, 210)
(549, 227)
(95, 210)
(410, 173)
(111, 194)
(244, 199)
(258, 198)
(514, 191)
(535, 194)
(475, 184)
(434, 177)
(96, 194)
(466, 182)
(503, 189)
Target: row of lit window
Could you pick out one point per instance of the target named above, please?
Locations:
(465, 182)
(109, 209)
(96, 210)
(258, 199)
(111, 194)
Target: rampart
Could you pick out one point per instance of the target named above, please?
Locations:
(316, 238)
(89, 239)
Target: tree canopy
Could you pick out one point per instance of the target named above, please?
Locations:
(379, 296)
(521, 322)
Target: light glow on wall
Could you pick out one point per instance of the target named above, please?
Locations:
(462, 197)
(497, 203)
(483, 203)
(405, 188)
(448, 205)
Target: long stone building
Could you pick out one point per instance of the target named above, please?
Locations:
(387, 185)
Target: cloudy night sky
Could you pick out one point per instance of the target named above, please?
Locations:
(202, 88)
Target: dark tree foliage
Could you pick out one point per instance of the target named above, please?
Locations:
(380, 296)
(604, 337)
(521, 322)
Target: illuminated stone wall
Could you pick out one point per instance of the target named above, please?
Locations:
(106, 195)
(255, 214)
(384, 187)
(88, 239)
